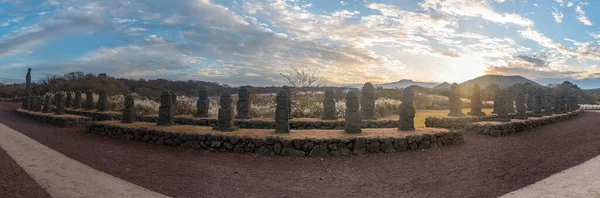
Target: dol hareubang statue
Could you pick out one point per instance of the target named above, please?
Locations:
(407, 111)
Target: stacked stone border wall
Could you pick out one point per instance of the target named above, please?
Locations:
(60, 121)
(246, 124)
(273, 145)
(460, 122)
(503, 129)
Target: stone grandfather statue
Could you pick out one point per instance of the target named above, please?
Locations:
(476, 102)
(243, 103)
(77, 101)
(281, 113)
(225, 117)
(520, 103)
(455, 102)
(407, 111)
(89, 100)
(102, 104)
(367, 102)
(329, 105)
(202, 103)
(352, 115)
(60, 104)
(47, 104)
(166, 114)
(502, 112)
(129, 111)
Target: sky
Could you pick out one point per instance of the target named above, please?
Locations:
(251, 42)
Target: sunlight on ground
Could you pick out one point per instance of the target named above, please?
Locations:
(422, 114)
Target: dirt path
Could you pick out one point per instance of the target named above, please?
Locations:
(61, 176)
(15, 182)
(483, 167)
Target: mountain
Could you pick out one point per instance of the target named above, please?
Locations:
(484, 81)
(406, 83)
(443, 86)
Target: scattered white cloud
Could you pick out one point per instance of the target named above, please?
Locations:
(558, 16)
(581, 16)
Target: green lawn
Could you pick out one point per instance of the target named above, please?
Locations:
(422, 114)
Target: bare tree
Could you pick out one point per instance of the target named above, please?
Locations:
(302, 76)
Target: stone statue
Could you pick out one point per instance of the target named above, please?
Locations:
(60, 104)
(77, 101)
(26, 102)
(102, 104)
(510, 107)
(476, 102)
(530, 100)
(455, 102)
(537, 105)
(352, 115)
(225, 117)
(502, 98)
(129, 112)
(202, 103)
(243, 103)
(166, 114)
(89, 100)
(69, 100)
(47, 104)
(174, 101)
(546, 103)
(407, 111)
(28, 82)
(38, 104)
(367, 102)
(281, 113)
(559, 105)
(520, 102)
(329, 105)
(32, 101)
(289, 93)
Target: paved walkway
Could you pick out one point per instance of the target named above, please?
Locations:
(582, 180)
(62, 176)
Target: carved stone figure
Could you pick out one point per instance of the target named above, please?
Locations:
(455, 102)
(60, 104)
(77, 101)
(510, 107)
(546, 103)
(26, 103)
(407, 111)
(28, 82)
(38, 104)
(520, 103)
(502, 98)
(352, 115)
(476, 102)
(129, 112)
(89, 100)
(243, 103)
(202, 103)
(329, 106)
(102, 104)
(174, 101)
(47, 104)
(289, 92)
(530, 100)
(537, 105)
(69, 100)
(281, 113)
(166, 114)
(225, 117)
(367, 102)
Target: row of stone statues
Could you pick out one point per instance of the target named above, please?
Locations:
(542, 103)
(66, 100)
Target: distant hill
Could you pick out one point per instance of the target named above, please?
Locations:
(443, 86)
(484, 81)
(406, 83)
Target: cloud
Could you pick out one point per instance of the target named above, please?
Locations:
(581, 16)
(558, 16)
(451, 54)
(474, 9)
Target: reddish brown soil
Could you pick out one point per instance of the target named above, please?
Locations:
(15, 182)
(482, 167)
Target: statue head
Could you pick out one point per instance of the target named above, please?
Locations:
(202, 93)
(129, 101)
(282, 99)
(476, 89)
(408, 97)
(352, 103)
(243, 93)
(455, 89)
(225, 100)
(165, 99)
(368, 90)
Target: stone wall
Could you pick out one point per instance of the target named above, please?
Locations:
(498, 129)
(274, 145)
(461, 122)
(57, 120)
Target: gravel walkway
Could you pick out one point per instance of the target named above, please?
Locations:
(482, 167)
